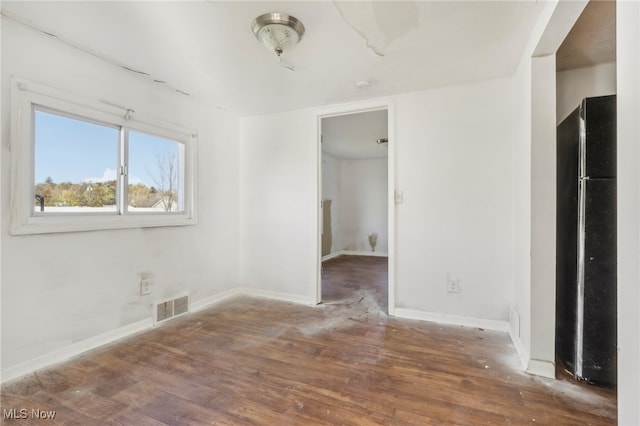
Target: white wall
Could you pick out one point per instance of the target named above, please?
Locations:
(543, 214)
(574, 85)
(628, 109)
(278, 199)
(521, 210)
(61, 289)
(454, 166)
(331, 190)
(363, 204)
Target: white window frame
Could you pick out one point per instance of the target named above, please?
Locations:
(24, 220)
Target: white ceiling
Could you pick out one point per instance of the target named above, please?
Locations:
(207, 49)
(354, 136)
(592, 40)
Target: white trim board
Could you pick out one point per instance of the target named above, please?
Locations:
(531, 366)
(332, 255)
(284, 297)
(78, 348)
(250, 292)
(210, 301)
(520, 350)
(74, 349)
(542, 368)
(355, 253)
(351, 108)
(365, 253)
(486, 324)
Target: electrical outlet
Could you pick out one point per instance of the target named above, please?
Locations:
(398, 196)
(453, 285)
(145, 286)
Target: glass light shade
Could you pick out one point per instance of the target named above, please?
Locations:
(277, 31)
(278, 38)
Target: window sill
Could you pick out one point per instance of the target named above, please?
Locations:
(82, 223)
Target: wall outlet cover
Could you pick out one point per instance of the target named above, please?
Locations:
(453, 285)
(145, 286)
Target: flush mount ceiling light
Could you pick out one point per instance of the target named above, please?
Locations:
(279, 32)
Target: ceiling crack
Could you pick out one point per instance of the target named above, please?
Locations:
(30, 24)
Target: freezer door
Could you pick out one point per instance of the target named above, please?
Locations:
(599, 114)
(596, 340)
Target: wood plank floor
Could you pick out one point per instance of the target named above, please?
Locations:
(256, 361)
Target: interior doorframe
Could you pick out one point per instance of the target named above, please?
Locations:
(347, 109)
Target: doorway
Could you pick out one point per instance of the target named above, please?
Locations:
(356, 186)
(586, 282)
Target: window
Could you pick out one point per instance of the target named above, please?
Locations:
(79, 165)
(75, 164)
(156, 182)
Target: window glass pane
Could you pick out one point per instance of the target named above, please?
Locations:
(155, 174)
(75, 165)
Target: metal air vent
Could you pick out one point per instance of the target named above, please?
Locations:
(171, 308)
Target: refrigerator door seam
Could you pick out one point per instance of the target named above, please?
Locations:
(582, 182)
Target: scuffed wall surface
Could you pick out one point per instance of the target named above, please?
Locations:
(61, 289)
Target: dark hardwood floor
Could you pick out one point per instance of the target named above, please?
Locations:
(356, 279)
(345, 362)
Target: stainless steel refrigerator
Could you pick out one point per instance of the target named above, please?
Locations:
(586, 259)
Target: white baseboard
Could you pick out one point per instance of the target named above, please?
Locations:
(487, 324)
(332, 255)
(355, 253)
(285, 297)
(365, 253)
(78, 348)
(74, 349)
(251, 292)
(542, 368)
(207, 302)
(531, 366)
(520, 350)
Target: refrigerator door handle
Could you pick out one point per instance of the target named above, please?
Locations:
(579, 336)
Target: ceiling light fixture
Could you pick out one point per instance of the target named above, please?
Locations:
(279, 32)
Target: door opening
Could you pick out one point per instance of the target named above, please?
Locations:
(355, 191)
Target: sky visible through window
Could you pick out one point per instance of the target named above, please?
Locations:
(76, 151)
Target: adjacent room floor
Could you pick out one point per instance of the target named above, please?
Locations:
(265, 362)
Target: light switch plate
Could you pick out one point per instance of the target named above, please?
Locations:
(145, 286)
